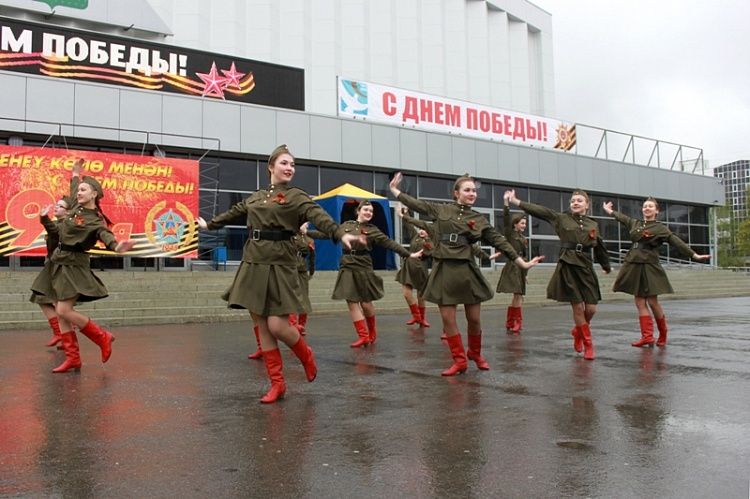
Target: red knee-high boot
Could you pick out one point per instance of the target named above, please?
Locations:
(459, 356)
(305, 354)
(54, 324)
(509, 315)
(72, 357)
(577, 339)
(259, 352)
(662, 325)
(517, 324)
(475, 351)
(100, 336)
(588, 342)
(302, 323)
(415, 318)
(372, 328)
(647, 332)
(364, 335)
(272, 358)
(423, 317)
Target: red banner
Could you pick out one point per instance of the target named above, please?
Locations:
(150, 200)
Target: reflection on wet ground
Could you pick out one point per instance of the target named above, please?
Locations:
(176, 412)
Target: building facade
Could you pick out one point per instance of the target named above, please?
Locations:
(495, 53)
(735, 177)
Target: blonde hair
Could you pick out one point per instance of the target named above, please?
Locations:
(653, 200)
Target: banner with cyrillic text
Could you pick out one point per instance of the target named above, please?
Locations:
(396, 106)
(70, 54)
(149, 200)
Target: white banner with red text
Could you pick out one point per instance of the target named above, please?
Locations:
(395, 106)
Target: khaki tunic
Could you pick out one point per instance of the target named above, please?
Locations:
(513, 277)
(267, 281)
(455, 277)
(413, 271)
(69, 274)
(357, 281)
(574, 279)
(641, 273)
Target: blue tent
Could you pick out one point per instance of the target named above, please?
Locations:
(341, 204)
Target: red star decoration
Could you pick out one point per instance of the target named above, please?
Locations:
(214, 84)
(232, 77)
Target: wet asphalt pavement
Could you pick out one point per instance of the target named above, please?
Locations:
(175, 412)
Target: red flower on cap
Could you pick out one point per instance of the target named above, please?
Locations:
(592, 234)
(279, 198)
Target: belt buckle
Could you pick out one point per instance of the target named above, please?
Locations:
(579, 248)
(453, 237)
(256, 235)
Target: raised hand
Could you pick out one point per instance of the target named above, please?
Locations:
(395, 182)
(124, 246)
(77, 167)
(46, 209)
(607, 207)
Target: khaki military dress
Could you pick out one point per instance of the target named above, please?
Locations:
(641, 273)
(51, 240)
(513, 277)
(357, 281)
(413, 271)
(267, 281)
(456, 277)
(305, 266)
(69, 273)
(574, 279)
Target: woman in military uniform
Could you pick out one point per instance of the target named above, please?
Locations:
(357, 282)
(69, 279)
(455, 278)
(641, 274)
(413, 272)
(267, 283)
(513, 278)
(574, 280)
(52, 240)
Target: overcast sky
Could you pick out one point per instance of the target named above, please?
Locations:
(675, 70)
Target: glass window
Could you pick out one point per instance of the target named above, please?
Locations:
(238, 174)
(306, 178)
(484, 194)
(540, 227)
(549, 248)
(609, 228)
(698, 234)
(596, 205)
(225, 200)
(677, 213)
(631, 207)
(437, 188)
(331, 178)
(548, 198)
(681, 231)
(208, 174)
(698, 215)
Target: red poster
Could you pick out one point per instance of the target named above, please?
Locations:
(152, 201)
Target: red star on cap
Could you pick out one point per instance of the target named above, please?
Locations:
(232, 77)
(214, 84)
